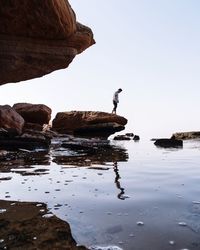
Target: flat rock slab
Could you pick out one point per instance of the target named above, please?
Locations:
(26, 225)
(88, 123)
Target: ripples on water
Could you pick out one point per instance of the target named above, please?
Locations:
(125, 195)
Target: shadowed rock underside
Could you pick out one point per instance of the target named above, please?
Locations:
(38, 37)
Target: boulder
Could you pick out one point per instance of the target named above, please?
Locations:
(167, 143)
(187, 135)
(136, 138)
(129, 134)
(33, 113)
(88, 123)
(38, 37)
(122, 138)
(11, 120)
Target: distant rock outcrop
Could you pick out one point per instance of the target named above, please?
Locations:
(35, 115)
(11, 120)
(38, 37)
(88, 123)
(168, 143)
(187, 135)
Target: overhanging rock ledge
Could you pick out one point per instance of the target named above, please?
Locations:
(38, 37)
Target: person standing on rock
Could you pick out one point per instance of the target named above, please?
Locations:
(116, 100)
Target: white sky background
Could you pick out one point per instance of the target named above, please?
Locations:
(149, 48)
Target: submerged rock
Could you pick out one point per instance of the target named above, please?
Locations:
(88, 123)
(187, 135)
(38, 37)
(85, 152)
(26, 225)
(166, 143)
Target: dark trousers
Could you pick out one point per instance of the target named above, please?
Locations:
(115, 107)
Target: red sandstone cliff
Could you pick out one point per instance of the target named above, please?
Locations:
(38, 37)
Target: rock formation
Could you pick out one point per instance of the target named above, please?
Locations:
(88, 123)
(35, 115)
(11, 120)
(168, 143)
(187, 135)
(26, 225)
(38, 37)
(13, 136)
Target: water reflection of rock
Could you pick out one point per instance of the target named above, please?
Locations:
(88, 152)
(13, 161)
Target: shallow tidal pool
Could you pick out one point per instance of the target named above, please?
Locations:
(138, 197)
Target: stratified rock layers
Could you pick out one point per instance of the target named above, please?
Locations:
(88, 123)
(38, 37)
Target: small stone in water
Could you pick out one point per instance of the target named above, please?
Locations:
(171, 242)
(131, 235)
(1, 240)
(196, 202)
(140, 223)
(34, 238)
(183, 224)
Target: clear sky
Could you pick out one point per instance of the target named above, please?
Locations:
(149, 48)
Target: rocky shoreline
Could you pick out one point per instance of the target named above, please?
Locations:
(29, 225)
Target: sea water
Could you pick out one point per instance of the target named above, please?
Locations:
(142, 197)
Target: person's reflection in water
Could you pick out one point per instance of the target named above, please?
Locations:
(118, 185)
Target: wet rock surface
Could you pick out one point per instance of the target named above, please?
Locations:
(127, 137)
(63, 151)
(30, 140)
(88, 123)
(37, 38)
(25, 225)
(85, 152)
(167, 143)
